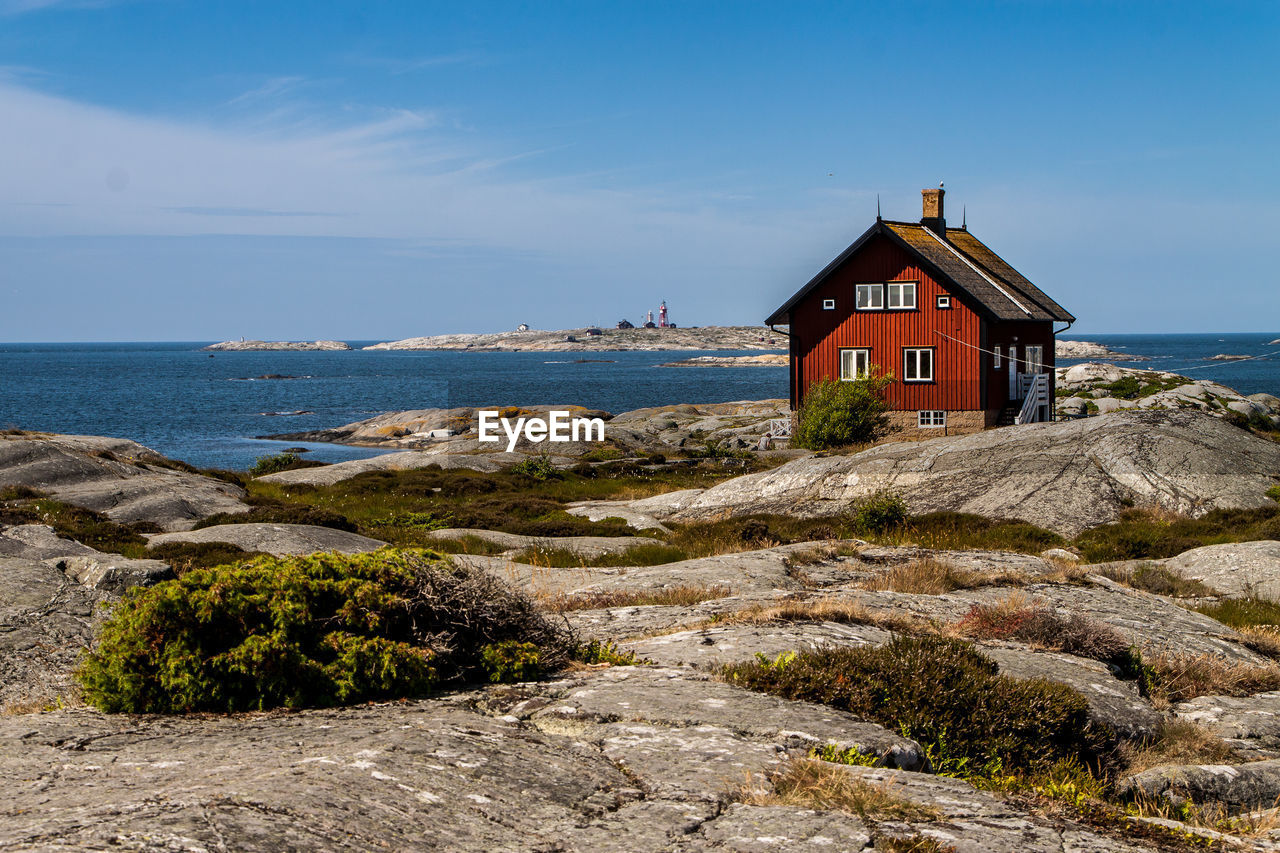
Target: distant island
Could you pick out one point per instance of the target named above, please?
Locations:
(253, 346)
(1090, 350)
(592, 338)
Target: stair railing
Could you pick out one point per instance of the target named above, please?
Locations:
(1037, 398)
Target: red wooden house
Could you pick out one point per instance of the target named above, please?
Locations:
(967, 338)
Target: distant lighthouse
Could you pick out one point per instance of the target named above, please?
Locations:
(662, 315)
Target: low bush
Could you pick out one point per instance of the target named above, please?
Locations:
(20, 493)
(511, 660)
(185, 556)
(1146, 534)
(945, 695)
(681, 595)
(936, 577)
(959, 530)
(1274, 493)
(1151, 577)
(536, 468)
(322, 630)
(280, 462)
(878, 512)
(1249, 612)
(1037, 624)
(568, 558)
(277, 512)
(83, 525)
(839, 414)
(812, 784)
(1178, 678)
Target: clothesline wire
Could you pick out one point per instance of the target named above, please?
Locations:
(1180, 370)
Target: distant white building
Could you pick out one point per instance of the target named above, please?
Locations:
(523, 327)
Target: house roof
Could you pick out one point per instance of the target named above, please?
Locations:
(962, 261)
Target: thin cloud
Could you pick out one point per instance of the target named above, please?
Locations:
(273, 88)
(247, 211)
(397, 66)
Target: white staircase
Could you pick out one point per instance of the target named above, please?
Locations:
(1036, 403)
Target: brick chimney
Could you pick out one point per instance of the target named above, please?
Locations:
(932, 217)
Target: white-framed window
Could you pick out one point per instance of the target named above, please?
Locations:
(1013, 358)
(854, 364)
(828, 305)
(931, 419)
(870, 297)
(944, 302)
(1035, 359)
(917, 364)
(902, 294)
(995, 357)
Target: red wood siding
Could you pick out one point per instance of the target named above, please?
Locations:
(818, 335)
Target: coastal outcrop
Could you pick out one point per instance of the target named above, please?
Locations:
(766, 360)
(1066, 349)
(1098, 387)
(1065, 476)
(120, 478)
(277, 539)
(450, 437)
(575, 340)
(255, 346)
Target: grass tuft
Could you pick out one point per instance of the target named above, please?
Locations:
(811, 784)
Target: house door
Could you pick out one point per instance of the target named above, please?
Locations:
(1013, 371)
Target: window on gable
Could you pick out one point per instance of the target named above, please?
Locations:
(828, 305)
(870, 297)
(854, 364)
(931, 419)
(944, 301)
(902, 294)
(917, 364)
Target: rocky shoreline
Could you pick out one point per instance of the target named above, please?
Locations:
(595, 339)
(665, 751)
(256, 346)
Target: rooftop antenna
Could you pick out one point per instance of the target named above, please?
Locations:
(964, 218)
(877, 207)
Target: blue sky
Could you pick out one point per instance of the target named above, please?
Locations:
(196, 171)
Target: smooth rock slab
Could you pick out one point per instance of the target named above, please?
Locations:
(1065, 476)
(119, 478)
(715, 646)
(278, 539)
(46, 621)
(683, 697)
(1237, 787)
(407, 460)
(39, 542)
(765, 829)
(1234, 569)
(1250, 723)
(585, 546)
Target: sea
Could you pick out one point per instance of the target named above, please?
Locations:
(210, 409)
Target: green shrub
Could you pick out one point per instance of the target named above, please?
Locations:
(1141, 534)
(598, 652)
(1274, 493)
(322, 630)
(839, 414)
(878, 512)
(1247, 612)
(280, 462)
(273, 512)
(960, 530)
(538, 467)
(185, 556)
(511, 660)
(946, 696)
(83, 525)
